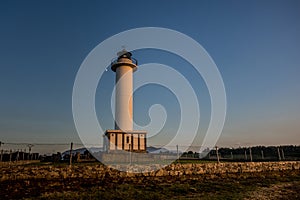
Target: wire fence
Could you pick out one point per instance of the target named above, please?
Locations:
(56, 151)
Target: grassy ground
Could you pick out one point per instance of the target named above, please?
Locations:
(219, 186)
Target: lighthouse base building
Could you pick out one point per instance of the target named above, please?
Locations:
(116, 140)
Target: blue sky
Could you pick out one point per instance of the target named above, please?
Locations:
(255, 44)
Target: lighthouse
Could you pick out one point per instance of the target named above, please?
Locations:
(123, 137)
(124, 67)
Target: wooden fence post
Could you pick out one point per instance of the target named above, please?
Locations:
(250, 152)
(279, 157)
(1, 155)
(217, 154)
(71, 149)
(10, 155)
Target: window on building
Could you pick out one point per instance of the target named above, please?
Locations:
(127, 139)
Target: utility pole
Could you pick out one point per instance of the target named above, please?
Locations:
(71, 149)
(217, 154)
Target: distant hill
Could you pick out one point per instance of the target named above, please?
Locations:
(82, 150)
(152, 149)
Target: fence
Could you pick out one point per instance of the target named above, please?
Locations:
(36, 151)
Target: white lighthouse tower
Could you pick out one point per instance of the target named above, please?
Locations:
(124, 67)
(124, 137)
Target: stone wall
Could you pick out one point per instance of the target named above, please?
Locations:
(13, 172)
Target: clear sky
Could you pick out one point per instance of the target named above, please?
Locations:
(255, 44)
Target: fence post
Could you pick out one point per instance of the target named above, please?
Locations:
(177, 153)
(71, 149)
(17, 157)
(1, 151)
(217, 154)
(282, 154)
(262, 154)
(10, 155)
(29, 147)
(1, 155)
(250, 152)
(279, 157)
